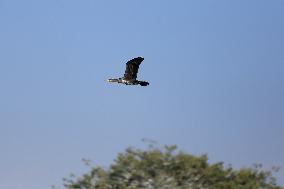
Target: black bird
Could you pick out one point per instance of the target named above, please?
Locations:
(130, 75)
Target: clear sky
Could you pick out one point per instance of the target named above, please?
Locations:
(216, 83)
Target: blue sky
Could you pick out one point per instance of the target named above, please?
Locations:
(216, 83)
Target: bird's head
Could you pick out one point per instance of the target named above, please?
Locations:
(112, 80)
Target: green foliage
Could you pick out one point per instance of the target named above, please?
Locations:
(166, 168)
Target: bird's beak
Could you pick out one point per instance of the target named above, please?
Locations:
(112, 80)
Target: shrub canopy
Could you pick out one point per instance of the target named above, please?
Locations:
(165, 168)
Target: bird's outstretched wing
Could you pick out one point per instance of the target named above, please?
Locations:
(132, 67)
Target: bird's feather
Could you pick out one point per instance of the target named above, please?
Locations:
(132, 67)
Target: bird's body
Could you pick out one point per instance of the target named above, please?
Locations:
(130, 75)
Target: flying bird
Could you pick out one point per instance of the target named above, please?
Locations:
(130, 75)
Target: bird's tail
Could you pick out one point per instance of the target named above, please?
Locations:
(143, 83)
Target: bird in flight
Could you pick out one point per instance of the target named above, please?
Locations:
(130, 75)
